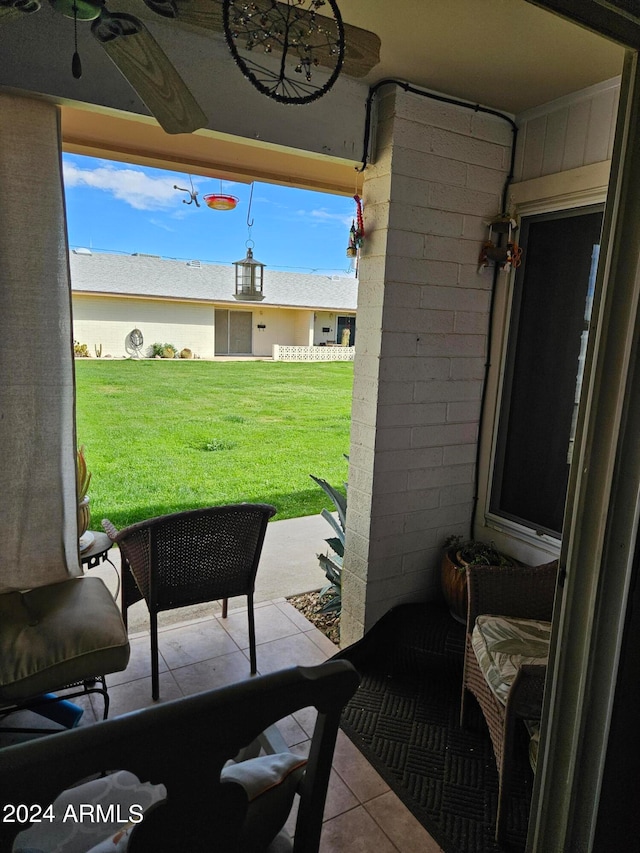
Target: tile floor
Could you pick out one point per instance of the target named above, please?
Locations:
(362, 813)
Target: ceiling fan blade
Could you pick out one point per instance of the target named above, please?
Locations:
(139, 57)
(10, 10)
(362, 48)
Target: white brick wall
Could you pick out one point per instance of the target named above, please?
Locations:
(422, 322)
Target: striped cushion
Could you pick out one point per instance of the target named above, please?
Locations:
(502, 644)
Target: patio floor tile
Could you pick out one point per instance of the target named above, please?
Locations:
(361, 812)
(271, 624)
(214, 672)
(198, 641)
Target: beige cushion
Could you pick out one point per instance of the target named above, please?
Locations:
(533, 728)
(57, 635)
(502, 644)
(270, 783)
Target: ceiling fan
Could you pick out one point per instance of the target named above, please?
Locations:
(142, 61)
(135, 52)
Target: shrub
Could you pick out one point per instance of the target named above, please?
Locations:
(81, 350)
(163, 350)
(186, 353)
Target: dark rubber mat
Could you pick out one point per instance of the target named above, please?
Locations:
(405, 720)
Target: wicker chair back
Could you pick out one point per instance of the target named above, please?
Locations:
(192, 557)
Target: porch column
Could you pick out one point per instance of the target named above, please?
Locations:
(38, 524)
(437, 179)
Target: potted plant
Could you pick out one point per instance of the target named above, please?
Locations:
(458, 554)
(83, 478)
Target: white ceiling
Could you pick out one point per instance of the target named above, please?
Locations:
(506, 54)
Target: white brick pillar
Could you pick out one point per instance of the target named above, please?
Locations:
(437, 179)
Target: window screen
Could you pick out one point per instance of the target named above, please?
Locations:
(545, 359)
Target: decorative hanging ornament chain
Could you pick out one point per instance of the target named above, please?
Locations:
(356, 233)
(360, 220)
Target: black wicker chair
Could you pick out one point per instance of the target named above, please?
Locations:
(191, 557)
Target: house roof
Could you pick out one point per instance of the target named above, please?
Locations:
(159, 278)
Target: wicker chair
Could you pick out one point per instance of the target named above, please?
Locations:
(526, 592)
(191, 557)
(184, 745)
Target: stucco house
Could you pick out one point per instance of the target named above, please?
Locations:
(195, 305)
(445, 354)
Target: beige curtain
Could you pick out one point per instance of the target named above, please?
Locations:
(38, 517)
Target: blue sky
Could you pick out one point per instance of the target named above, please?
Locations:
(128, 208)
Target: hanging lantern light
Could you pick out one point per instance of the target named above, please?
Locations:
(249, 271)
(249, 276)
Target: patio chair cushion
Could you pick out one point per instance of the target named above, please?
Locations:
(502, 644)
(117, 801)
(270, 783)
(533, 729)
(57, 635)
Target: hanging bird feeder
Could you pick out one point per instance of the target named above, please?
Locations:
(504, 256)
(220, 201)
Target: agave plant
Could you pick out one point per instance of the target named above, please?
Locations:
(83, 478)
(332, 563)
(84, 475)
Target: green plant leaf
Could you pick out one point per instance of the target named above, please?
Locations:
(339, 530)
(332, 569)
(337, 545)
(337, 497)
(332, 605)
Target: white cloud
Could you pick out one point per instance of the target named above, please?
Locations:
(321, 214)
(160, 224)
(132, 186)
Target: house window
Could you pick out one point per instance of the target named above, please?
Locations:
(553, 292)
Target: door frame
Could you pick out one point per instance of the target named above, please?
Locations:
(600, 538)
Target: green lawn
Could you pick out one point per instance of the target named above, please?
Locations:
(163, 436)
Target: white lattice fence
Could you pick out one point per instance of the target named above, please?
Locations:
(285, 353)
